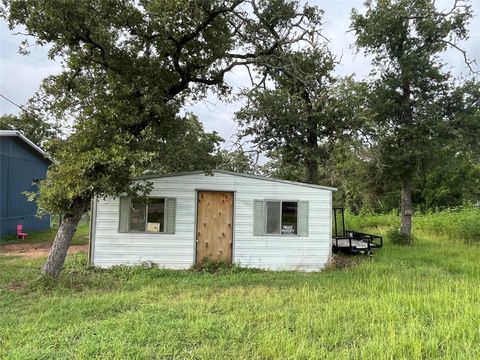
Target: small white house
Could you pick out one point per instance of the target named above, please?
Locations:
(248, 220)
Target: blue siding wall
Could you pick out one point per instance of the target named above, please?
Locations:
(19, 165)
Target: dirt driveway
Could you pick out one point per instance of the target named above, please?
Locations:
(33, 250)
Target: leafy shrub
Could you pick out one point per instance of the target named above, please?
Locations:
(370, 220)
(396, 237)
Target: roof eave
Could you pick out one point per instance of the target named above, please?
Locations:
(227, 172)
(28, 141)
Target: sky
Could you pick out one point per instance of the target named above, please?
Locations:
(20, 75)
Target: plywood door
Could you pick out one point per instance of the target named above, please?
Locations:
(214, 226)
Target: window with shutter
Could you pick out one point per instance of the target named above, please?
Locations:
(156, 215)
(276, 217)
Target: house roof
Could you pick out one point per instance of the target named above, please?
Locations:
(251, 176)
(26, 140)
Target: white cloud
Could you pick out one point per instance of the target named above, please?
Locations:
(20, 75)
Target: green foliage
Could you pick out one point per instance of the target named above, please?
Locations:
(451, 181)
(409, 124)
(188, 147)
(404, 302)
(460, 223)
(236, 160)
(301, 116)
(412, 120)
(368, 220)
(464, 102)
(87, 162)
(128, 70)
(35, 129)
(397, 238)
(353, 170)
(448, 176)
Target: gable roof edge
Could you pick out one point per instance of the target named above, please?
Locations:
(233, 173)
(28, 141)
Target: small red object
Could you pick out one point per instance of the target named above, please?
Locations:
(20, 234)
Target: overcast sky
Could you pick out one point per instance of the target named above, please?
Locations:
(21, 75)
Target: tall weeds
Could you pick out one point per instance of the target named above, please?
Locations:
(459, 223)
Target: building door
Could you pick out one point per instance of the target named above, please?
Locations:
(214, 226)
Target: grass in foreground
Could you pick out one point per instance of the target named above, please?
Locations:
(409, 302)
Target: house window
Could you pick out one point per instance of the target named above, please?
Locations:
(137, 216)
(148, 216)
(281, 217)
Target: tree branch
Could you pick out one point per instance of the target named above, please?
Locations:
(467, 61)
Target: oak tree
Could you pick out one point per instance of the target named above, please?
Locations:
(405, 39)
(128, 68)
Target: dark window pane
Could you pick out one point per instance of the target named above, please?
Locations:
(137, 216)
(289, 217)
(273, 217)
(156, 215)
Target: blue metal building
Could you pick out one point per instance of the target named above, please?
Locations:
(22, 165)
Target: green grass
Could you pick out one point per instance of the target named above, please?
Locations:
(416, 302)
(462, 223)
(80, 237)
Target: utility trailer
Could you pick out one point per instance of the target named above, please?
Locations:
(349, 241)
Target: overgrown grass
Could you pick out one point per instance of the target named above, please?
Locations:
(80, 237)
(417, 302)
(462, 223)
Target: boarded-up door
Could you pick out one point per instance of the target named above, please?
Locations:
(214, 226)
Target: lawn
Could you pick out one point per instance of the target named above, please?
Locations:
(80, 237)
(413, 302)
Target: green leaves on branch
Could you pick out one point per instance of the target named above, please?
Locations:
(31, 125)
(128, 69)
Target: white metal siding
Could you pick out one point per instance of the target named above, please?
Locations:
(177, 251)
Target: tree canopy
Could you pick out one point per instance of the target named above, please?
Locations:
(409, 83)
(33, 127)
(128, 67)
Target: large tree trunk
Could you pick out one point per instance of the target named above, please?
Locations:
(406, 211)
(312, 170)
(64, 236)
(311, 153)
(311, 145)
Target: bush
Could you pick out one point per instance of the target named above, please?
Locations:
(396, 237)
